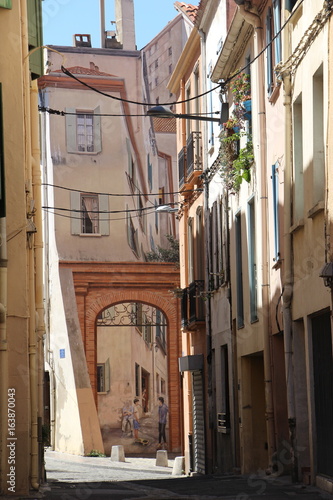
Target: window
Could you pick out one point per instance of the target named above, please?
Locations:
(216, 227)
(163, 386)
(83, 131)
(156, 63)
(150, 172)
(199, 264)
(273, 56)
(170, 69)
(239, 271)
(161, 329)
(156, 81)
(252, 260)
(275, 190)
(89, 214)
(130, 162)
(190, 250)
(103, 376)
(156, 216)
(137, 379)
(170, 51)
(132, 234)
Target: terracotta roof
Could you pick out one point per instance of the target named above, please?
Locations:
(79, 70)
(188, 9)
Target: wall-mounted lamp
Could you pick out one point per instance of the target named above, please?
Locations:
(164, 112)
(166, 209)
(327, 274)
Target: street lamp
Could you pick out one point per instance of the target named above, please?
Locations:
(166, 209)
(164, 112)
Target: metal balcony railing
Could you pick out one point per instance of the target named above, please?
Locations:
(182, 167)
(193, 153)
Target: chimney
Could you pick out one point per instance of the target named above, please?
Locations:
(124, 10)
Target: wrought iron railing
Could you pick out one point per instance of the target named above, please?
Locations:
(193, 153)
(182, 167)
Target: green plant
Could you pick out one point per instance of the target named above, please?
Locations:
(236, 163)
(95, 453)
(170, 254)
(241, 88)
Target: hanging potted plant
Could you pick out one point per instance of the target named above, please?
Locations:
(236, 162)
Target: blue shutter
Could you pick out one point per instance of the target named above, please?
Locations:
(277, 27)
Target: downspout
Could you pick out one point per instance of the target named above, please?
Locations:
(287, 258)
(255, 20)
(33, 375)
(38, 246)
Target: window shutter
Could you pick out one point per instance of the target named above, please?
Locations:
(104, 223)
(75, 216)
(2, 164)
(34, 9)
(269, 61)
(107, 376)
(71, 131)
(6, 4)
(97, 130)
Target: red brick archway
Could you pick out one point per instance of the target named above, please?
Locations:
(99, 285)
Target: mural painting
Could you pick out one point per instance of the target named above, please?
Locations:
(132, 378)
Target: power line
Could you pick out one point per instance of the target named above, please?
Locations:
(68, 73)
(75, 210)
(100, 220)
(119, 194)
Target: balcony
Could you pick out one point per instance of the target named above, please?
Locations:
(190, 161)
(193, 156)
(192, 306)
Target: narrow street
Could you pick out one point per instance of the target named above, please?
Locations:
(74, 477)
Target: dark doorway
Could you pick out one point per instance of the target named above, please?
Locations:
(323, 390)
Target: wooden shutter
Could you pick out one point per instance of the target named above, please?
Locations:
(104, 223)
(97, 130)
(34, 8)
(2, 164)
(75, 216)
(107, 375)
(6, 4)
(71, 131)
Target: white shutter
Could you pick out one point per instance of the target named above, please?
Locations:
(71, 131)
(97, 130)
(75, 216)
(104, 223)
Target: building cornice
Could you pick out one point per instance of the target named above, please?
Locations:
(239, 33)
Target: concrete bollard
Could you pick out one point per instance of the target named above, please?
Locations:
(178, 466)
(162, 458)
(117, 454)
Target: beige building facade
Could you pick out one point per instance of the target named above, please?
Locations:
(21, 251)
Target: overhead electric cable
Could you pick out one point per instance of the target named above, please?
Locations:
(100, 220)
(52, 111)
(68, 73)
(119, 194)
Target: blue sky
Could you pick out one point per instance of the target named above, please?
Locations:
(63, 18)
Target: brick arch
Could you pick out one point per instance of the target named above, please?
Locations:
(99, 285)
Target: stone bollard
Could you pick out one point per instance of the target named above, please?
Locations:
(117, 454)
(162, 458)
(178, 466)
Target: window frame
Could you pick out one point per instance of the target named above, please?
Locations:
(72, 115)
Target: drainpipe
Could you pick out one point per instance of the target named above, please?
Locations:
(254, 19)
(33, 375)
(38, 246)
(287, 258)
